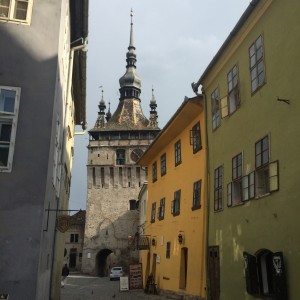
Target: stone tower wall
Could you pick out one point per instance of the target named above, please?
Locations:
(109, 217)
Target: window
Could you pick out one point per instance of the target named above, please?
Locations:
(74, 237)
(237, 167)
(15, 10)
(168, 249)
(175, 205)
(9, 108)
(266, 173)
(153, 212)
(265, 275)
(163, 165)
(248, 186)
(120, 157)
(215, 109)
(256, 61)
(233, 90)
(154, 171)
(132, 204)
(161, 209)
(197, 194)
(177, 153)
(218, 188)
(195, 138)
(262, 152)
(234, 188)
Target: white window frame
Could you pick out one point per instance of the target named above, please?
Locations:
(12, 118)
(56, 175)
(215, 109)
(11, 11)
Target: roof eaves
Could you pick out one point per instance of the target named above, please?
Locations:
(163, 131)
(232, 34)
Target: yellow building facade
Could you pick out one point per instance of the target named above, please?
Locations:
(176, 208)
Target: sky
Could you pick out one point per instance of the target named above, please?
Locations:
(175, 41)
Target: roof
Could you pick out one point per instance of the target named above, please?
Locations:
(228, 40)
(78, 218)
(189, 109)
(79, 29)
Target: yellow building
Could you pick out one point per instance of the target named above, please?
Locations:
(176, 207)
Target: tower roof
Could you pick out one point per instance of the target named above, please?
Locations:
(129, 114)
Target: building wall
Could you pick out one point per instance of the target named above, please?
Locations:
(71, 244)
(27, 230)
(109, 218)
(260, 223)
(190, 223)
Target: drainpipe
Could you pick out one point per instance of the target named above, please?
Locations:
(207, 210)
(195, 87)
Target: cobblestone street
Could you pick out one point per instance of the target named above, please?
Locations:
(81, 287)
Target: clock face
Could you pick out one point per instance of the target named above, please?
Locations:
(136, 154)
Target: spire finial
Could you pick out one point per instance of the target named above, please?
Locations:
(131, 30)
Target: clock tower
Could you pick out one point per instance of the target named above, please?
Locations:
(116, 143)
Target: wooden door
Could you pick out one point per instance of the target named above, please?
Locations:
(214, 272)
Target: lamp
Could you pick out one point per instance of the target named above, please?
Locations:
(180, 237)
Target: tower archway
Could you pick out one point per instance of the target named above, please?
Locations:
(102, 263)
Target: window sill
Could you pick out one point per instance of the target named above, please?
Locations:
(196, 207)
(176, 214)
(257, 89)
(237, 204)
(197, 150)
(161, 218)
(262, 196)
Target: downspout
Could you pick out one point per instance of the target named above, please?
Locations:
(207, 210)
(195, 87)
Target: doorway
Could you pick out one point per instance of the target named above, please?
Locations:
(183, 268)
(214, 271)
(72, 258)
(102, 266)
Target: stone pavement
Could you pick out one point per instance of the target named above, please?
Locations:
(82, 287)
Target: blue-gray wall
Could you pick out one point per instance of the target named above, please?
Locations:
(29, 59)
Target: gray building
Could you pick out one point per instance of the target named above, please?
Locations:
(114, 180)
(42, 98)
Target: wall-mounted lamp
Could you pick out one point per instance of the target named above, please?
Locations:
(180, 238)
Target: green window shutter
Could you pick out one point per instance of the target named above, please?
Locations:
(252, 283)
(279, 276)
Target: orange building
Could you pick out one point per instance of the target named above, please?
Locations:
(176, 208)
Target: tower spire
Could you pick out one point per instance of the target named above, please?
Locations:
(153, 113)
(130, 82)
(100, 123)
